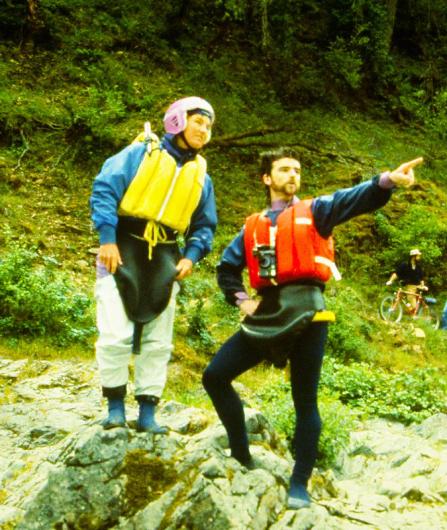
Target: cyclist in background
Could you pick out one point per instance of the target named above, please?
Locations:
(411, 275)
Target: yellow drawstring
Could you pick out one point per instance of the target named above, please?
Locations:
(154, 233)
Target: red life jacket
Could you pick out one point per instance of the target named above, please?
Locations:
(301, 253)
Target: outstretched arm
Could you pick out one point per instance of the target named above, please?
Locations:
(332, 210)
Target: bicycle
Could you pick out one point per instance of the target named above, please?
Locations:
(393, 307)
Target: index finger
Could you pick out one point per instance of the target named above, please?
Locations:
(413, 163)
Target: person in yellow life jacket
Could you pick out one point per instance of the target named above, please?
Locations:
(142, 199)
(289, 253)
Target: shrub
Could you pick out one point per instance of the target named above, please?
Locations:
(338, 423)
(198, 328)
(95, 112)
(344, 63)
(194, 308)
(404, 397)
(349, 336)
(37, 300)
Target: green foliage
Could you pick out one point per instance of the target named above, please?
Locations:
(195, 311)
(276, 403)
(404, 397)
(12, 18)
(344, 63)
(198, 328)
(436, 118)
(350, 336)
(25, 110)
(312, 51)
(39, 301)
(338, 423)
(235, 9)
(95, 112)
(430, 111)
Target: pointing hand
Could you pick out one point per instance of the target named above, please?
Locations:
(403, 176)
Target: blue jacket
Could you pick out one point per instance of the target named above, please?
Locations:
(113, 180)
(328, 211)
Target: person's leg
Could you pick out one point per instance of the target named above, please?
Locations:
(235, 357)
(113, 348)
(305, 367)
(412, 298)
(151, 366)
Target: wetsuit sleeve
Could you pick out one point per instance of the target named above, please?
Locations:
(200, 234)
(332, 210)
(109, 187)
(230, 268)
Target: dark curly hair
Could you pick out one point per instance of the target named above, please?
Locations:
(267, 158)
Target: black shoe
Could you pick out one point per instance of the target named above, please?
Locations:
(247, 462)
(152, 428)
(298, 497)
(113, 423)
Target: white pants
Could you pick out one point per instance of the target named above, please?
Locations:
(114, 344)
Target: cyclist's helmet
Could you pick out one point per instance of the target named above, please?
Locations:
(415, 252)
(175, 117)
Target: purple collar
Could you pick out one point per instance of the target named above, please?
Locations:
(281, 204)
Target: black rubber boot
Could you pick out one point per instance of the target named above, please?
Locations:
(117, 414)
(115, 400)
(146, 417)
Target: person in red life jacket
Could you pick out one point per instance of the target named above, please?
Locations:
(289, 252)
(143, 197)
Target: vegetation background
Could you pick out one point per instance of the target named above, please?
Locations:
(355, 86)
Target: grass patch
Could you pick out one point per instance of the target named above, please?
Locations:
(41, 349)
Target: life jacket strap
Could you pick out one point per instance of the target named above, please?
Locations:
(329, 263)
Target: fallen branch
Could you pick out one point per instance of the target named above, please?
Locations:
(271, 145)
(224, 140)
(59, 158)
(22, 154)
(75, 229)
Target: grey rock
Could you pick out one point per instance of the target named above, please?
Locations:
(62, 470)
(434, 428)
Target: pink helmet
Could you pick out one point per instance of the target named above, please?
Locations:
(175, 117)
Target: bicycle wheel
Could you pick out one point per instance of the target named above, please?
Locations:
(390, 309)
(427, 314)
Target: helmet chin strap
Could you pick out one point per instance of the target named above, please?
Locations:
(182, 135)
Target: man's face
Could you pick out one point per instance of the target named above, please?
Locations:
(198, 130)
(284, 179)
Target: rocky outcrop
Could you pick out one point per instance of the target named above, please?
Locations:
(60, 470)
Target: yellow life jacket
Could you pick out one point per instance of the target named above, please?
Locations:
(162, 193)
